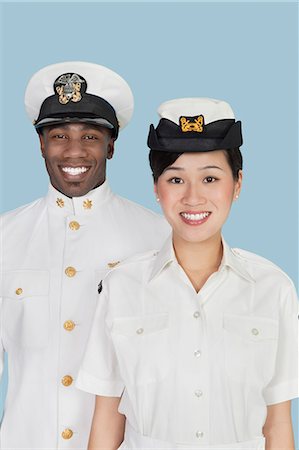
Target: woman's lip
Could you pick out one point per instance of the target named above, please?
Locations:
(195, 218)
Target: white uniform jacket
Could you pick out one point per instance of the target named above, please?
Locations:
(55, 252)
(195, 370)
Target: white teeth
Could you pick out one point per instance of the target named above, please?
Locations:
(74, 170)
(197, 217)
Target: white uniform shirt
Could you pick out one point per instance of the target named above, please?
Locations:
(55, 251)
(194, 369)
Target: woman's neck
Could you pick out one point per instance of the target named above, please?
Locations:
(199, 260)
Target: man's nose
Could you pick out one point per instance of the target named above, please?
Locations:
(75, 149)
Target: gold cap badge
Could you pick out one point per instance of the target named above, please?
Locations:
(68, 87)
(192, 124)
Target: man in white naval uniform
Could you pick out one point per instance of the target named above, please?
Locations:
(56, 250)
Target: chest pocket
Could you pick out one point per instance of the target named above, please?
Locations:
(25, 307)
(250, 348)
(142, 347)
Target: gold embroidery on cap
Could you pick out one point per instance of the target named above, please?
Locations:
(87, 204)
(192, 124)
(113, 264)
(69, 88)
(60, 202)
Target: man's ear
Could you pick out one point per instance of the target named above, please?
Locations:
(42, 143)
(110, 151)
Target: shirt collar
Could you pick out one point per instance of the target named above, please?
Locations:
(84, 205)
(230, 259)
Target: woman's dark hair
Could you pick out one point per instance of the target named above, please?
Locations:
(160, 160)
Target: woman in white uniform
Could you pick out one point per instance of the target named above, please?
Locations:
(194, 346)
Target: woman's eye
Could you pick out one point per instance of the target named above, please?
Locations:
(176, 180)
(209, 180)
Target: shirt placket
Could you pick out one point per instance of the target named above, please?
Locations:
(71, 329)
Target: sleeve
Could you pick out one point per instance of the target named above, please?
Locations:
(285, 382)
(99, 372)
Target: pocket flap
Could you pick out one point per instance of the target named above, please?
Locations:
(251, 327)
(142, 325)
(18, 284)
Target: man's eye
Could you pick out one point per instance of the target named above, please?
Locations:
(59, 136)
(89, 137)
(209, 180)
(176, 180)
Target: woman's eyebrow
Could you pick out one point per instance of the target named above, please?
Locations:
(210, 167)
(199, 168)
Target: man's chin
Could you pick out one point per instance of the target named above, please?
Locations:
(73, 190)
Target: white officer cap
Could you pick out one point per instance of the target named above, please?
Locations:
(210, 108)
(79, 91)
(195, 125)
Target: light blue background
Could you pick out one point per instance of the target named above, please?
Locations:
(245, 53)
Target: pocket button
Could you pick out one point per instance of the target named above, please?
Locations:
(255, 331)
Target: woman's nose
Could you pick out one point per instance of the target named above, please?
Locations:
(194, 196)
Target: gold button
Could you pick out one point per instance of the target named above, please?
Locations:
(254, 331)
(74, 225)
(69, 325)
(70, 271)
(67, 433)
(19, 291)
(67, 380)
(140, 331)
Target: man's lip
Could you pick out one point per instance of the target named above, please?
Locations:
(72, 171)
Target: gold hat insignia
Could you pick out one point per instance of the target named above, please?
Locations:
(192, 124)
(68, 87)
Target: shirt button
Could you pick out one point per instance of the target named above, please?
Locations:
(140, 331)
(67, 380)
(70, 272)
(255, 331)
(67, 433)
(69, 325)
(197, 353)
(199, 434)
(198, 393)
(196, 315)
(74, 225)
(19, 291)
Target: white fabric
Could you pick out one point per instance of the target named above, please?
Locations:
(38, 246)
(210, 108)
(194, 368)
(101, 81)
(134, 440)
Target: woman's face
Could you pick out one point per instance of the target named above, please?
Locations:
(196, 193)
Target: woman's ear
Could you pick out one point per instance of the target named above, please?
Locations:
(238, 185)
(156, 191)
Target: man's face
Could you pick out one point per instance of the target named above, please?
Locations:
(75, 155)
